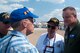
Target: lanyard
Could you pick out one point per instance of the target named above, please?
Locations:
(48, 48)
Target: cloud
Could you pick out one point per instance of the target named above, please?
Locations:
(9, 8)
(58, 14)
(4, 8)
(3, 1)
(78, 13)
(18, 0)
(37, 0)
(55, 13)
(53, 1)
(15, 6)
(31, 9)
(9, 1)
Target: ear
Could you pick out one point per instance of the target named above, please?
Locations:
(24, 23)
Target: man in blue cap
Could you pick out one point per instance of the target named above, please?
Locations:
(22, 22)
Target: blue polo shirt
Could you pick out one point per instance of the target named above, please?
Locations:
(16, 42)
(57, 43)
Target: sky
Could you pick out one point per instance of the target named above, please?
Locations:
(45, 9)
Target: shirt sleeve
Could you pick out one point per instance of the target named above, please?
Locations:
(62, 45)
(21, 50)
(38, 44)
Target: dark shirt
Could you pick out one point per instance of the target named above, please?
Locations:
(72, 40)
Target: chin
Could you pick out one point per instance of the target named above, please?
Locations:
(28, 33)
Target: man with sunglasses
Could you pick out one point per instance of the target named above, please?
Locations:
(51, 42)
(4, 24)
(16, 41)
(72, 32)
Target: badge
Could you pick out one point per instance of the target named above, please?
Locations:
(49, 49)
(71, 36)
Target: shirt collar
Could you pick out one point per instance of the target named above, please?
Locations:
(15, 32)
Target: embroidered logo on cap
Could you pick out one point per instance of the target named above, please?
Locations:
(5, 16)
(26, 12)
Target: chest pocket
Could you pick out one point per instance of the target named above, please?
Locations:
(57, 44)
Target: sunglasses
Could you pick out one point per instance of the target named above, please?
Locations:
(6, 22)
(52, 27)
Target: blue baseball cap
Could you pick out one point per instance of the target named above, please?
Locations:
(20, 14)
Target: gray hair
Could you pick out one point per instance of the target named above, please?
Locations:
(71, 9)
(15, 24)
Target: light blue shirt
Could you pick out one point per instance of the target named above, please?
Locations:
(16, 42)
(57, 43)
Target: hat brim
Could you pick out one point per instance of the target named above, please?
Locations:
(55, 24)
(33, 15)
(49, 21)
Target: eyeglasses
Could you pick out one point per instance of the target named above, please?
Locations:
(49, 26)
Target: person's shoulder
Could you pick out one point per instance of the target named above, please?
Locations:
(59, 36)
(44, 34)
(24, 48)
(79, 24)
(77, 27)
(18, 41)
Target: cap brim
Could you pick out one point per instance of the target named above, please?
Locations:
(33, 15)
(49, 21)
